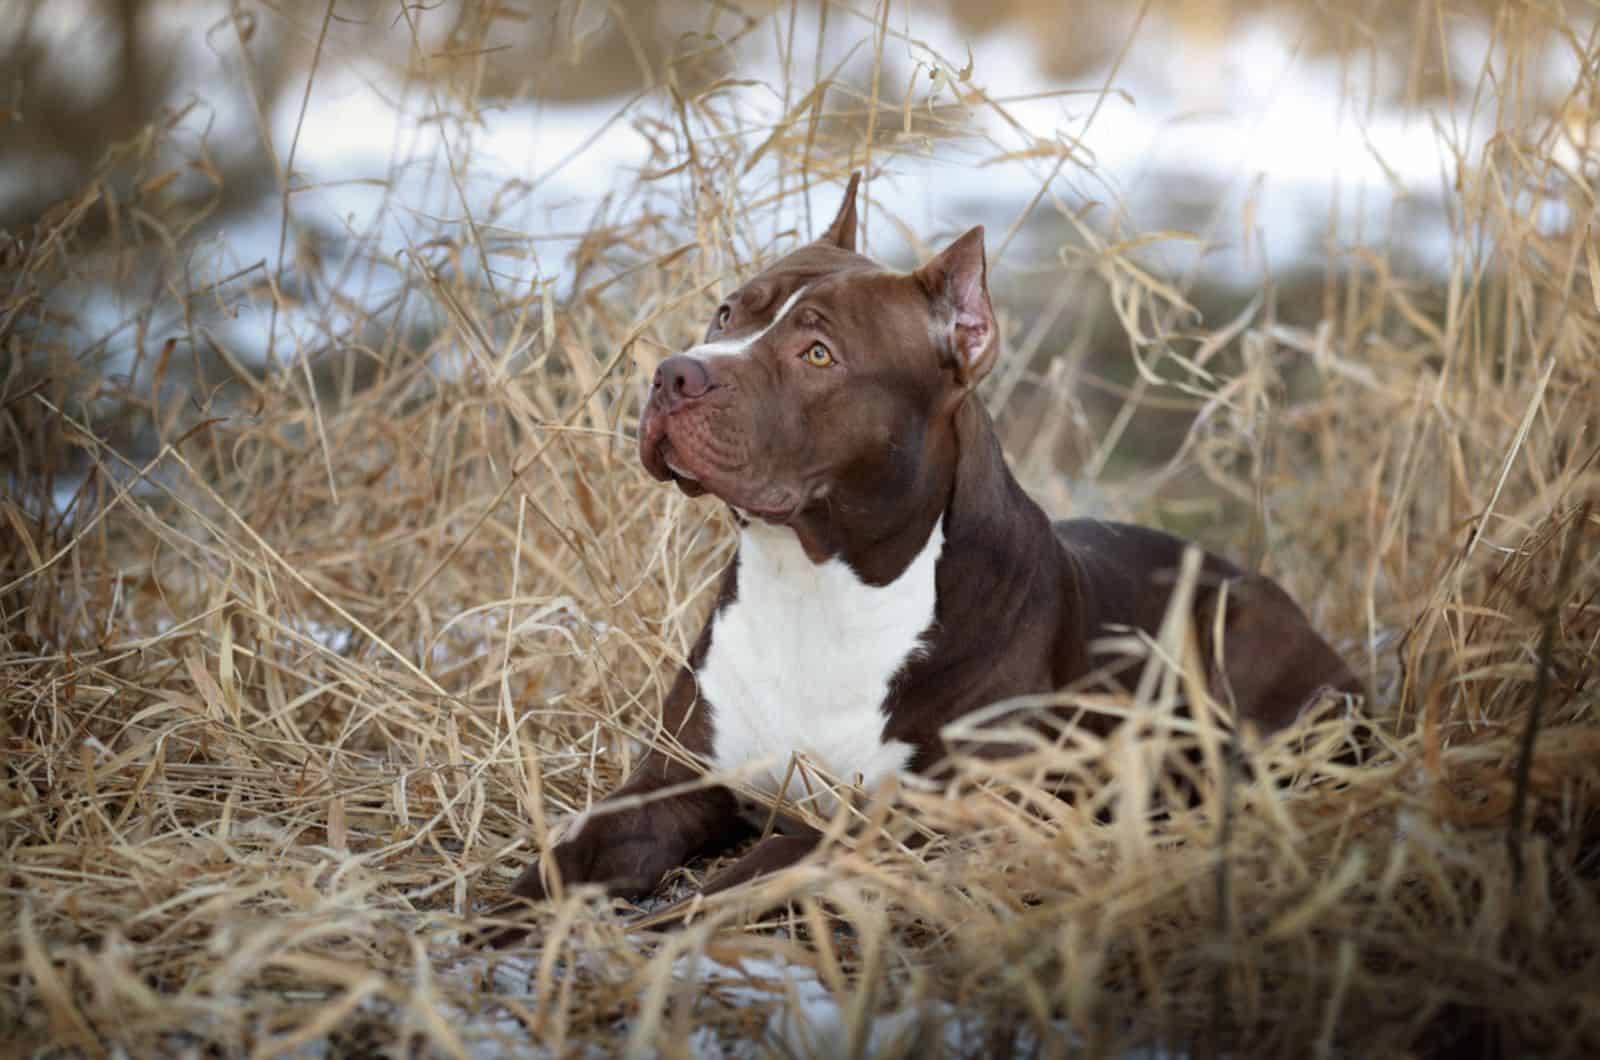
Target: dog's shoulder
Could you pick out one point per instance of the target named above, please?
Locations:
(1115, 564)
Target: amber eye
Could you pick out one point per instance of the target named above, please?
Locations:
(722, 317)
(817, 355)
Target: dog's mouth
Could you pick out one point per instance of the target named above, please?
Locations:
(667, 463)
(667, 459)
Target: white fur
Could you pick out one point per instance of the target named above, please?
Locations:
(738, 347)
(801, 662)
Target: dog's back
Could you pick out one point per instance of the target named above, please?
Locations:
(1270, 669)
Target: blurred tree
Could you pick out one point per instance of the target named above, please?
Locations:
(87, 77)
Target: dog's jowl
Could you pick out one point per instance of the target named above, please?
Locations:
(891, 574)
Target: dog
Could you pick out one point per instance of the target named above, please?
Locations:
(891, 575)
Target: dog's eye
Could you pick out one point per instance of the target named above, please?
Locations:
(722, 317)
(817, 355)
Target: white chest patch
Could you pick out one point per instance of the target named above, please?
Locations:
(801, 663)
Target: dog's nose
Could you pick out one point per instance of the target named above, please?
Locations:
(681, 379)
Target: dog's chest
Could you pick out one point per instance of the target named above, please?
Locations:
(800, 663)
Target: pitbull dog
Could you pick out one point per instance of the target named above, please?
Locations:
(891, 574)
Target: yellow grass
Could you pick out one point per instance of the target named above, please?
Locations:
(293, 692)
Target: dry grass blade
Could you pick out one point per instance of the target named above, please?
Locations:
(301, 659)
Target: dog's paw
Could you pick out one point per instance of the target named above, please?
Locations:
(506, 925)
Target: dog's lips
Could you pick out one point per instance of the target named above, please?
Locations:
(654, 444)
(780, 515)
(661, 459)
(685, 480)
(667, 463)
(678, 471)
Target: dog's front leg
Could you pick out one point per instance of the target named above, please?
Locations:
(768, 856)
(627, 842)
(637, 834)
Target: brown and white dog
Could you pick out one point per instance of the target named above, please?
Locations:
(891, 574)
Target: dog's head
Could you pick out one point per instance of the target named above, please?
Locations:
(823, 394)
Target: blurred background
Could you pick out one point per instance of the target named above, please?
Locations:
(277, 162)
(238, 186)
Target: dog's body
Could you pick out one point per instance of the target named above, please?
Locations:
(892, 576)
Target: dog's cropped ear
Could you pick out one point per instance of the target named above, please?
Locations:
(842, 232)
(957, 281)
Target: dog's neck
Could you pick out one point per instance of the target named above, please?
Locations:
(964, 479)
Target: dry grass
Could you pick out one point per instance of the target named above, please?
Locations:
(288, 695)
